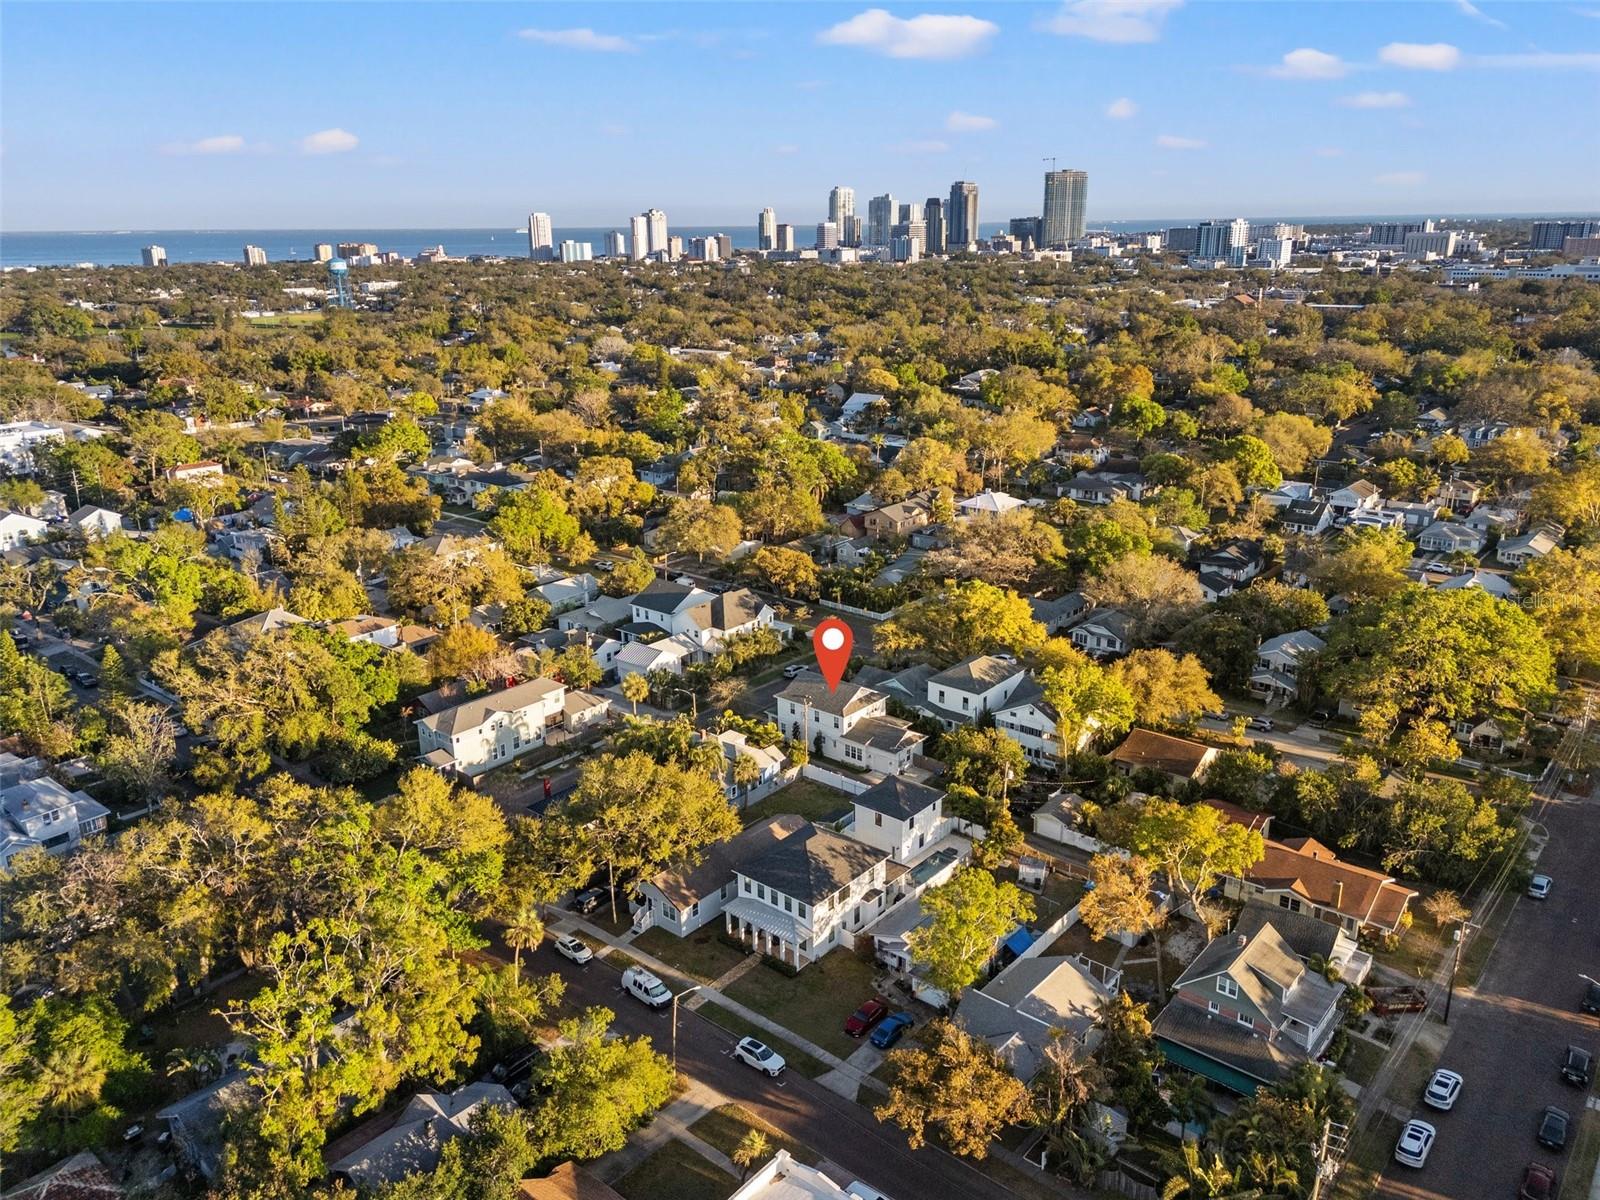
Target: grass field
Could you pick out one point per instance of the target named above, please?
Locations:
(1363, 1061)
(300, 318)
(1368, 1157)
(803, 797)
(702, 955)
(723, 1127)
(675, 1172)
(815, 1002)
(1575, 1184)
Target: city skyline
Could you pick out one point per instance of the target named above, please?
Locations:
(1171, 107)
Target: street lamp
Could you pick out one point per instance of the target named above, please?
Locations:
(1455, 965)
(676, 996)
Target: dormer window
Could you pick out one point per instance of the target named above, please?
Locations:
(1227, 987)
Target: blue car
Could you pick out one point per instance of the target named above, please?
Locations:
(889, 1030)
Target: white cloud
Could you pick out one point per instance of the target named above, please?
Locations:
(1120, 21)
(1399, 178)
(1544, 61)
(962, 122)
(329, 141)
(579, 39)
(1121, 109)
(1168, 141)
(1306, 63)
(929, 35)
(1376, 100)
(1477, 14)
(925, 146)
(1421, 56)
(224, 143)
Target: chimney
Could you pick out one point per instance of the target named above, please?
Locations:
(1338, 893)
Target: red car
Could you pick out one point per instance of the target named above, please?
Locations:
(865, 1017)
(1538, 1183)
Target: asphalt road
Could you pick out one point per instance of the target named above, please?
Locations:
(1510, 1033)
(846, 1133)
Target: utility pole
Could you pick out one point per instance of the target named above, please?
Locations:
(676, 996)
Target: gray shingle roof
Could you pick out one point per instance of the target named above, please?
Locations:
(899, 798)
(812, 864)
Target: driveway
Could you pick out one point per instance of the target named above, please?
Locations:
(1509, 1033)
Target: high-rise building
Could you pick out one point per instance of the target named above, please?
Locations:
(880, 219)
(349, 250)
(785, 239)
(1273, 230)
(1275, 252)
(576, 251)
(724, 245)
(906, 248)
(961, 220)
(1066, 200)
(322, 252)
(1216, 239)
(1551, 236)
(1440, 242)
(255, 256)
(841, 204)
(933, 219)
(704, 249)
(1026, 229)
(657, 221)
(674, 247)
(541, 237)
(1393, 233)
(1181, 239)
(827, 235)
(767, 230)
(154, 256)
(639, 227)
(850, 230)
(616, 244)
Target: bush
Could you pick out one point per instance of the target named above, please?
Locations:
(354, 757)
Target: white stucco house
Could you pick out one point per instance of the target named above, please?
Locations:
(499, 727)
(851, 725)
(18, 529)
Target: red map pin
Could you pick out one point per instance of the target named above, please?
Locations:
(832, 640)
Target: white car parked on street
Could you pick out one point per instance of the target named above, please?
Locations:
(1416, 1139)
(1442, 1090)
(574, 948)
(760, 1056)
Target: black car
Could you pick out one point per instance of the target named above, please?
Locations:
(1591, 998)
(1553, 1127)
(1577, 1067)
(588, 900)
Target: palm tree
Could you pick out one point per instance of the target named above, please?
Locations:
(70, 1079)
(1191, 1102)
(635, 688)
(745, 773)
(752, 1148)
(524, 931)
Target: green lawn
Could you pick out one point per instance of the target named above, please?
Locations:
(798, 1060)
(810, 800)
(296, 318)
(1585, 1155)
(723, 1127)
(1413, 1073)
(702, 955)
(1363, 1061)
(814, 1003)
(675, 1172)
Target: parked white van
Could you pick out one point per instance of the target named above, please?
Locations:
(645, 987)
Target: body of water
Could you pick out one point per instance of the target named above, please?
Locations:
(122, 247)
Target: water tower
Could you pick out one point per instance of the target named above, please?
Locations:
(339, 282)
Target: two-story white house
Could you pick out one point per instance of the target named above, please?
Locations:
(1032, 722)
(707, 620)
(808, 894)
(18, 529)
(850, 725)
(1103, 633)
(36, 811)
(1276, 676)
(959, 695)
(681, 900)
(901, 817)
(495, 728)
(1359, 496)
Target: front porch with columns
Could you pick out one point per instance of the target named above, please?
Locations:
(765, 940)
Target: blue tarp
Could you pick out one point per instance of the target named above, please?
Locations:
(1019, 939)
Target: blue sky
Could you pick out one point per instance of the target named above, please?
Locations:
(261, 115)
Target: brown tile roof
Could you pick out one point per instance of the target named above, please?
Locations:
(1312, 871)
(568, 1182)
(1173, 755)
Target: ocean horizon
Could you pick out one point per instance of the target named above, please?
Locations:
(122, 247)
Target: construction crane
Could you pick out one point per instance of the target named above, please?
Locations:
(1051, 159)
